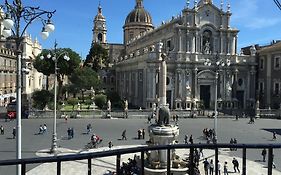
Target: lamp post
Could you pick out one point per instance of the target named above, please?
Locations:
(277, 3)
(55, 58)
(216, 63)
(17, 19)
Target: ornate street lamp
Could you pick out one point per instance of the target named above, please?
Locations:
(55, 56)
(217, 63)
(17, 19)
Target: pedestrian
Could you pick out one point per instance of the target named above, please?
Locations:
(274, 135)
(235, 142)
(177, 118)
(2, 130)
(201, 151)
(124, 135)
(225, 169)
(206, 166)
(186, 139)
(219, 168)
(273, 164)
(211, 168)
(149, 118)
(235, 165)
(72, 132)
(191, 139)
(139, 133)
(89, 128)
(44, 128)
(231, 142)
(68, 133)
(263, 153)
(236, 117)
(14, 133)
(110, 145)
(143, 133)
(65, 118)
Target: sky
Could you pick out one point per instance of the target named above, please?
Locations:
(259, 21)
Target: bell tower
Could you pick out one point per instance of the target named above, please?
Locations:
(99, 29)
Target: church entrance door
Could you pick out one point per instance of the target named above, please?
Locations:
(205, 95)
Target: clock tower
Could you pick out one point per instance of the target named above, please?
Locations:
(99, 30)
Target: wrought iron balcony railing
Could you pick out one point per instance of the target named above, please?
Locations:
(142, 150)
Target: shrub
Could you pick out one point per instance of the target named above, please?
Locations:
(100, 100)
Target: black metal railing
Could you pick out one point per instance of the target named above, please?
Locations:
(142, 150)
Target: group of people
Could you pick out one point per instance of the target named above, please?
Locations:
(130, 167)
(186, 140)
(209, 167)
(141, 133)
(95, 140)
(70, 133)
(42, 129)
(209, 134)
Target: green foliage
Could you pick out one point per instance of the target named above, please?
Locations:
(41, 98)
(72, 101)
(97, 57)
(115, 99)
(47, 65)
(100, 100)
(84, 78)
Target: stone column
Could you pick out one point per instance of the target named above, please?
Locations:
(252, 82)
(162, 82)
(221, 42)
(193, 43)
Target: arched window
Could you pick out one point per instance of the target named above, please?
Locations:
(100, 37)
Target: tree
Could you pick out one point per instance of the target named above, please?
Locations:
(65, 68)
(41, 98)
(73, 102)
(97, 57)
(100, 100)
(84, 78)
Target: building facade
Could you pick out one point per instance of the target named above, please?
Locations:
(31, 80)
(194, 42)
(269, 79)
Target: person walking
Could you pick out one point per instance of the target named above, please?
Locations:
(186, 139)
(263, 153)
(274, 135)
(89, 128)
(191, 139)
(2, 130)
(225, 168)
(14, 132)
(219, 168)
(206, 166)
(235, 142)
(110, 144)
(124, 135)
(143, 133)
(211, 167)
(235, 165)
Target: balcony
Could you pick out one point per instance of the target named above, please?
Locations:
(142, 150)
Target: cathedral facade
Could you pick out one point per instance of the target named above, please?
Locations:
(202, 59)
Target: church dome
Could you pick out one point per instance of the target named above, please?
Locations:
(139, 15)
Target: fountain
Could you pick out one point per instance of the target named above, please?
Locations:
(162, 132)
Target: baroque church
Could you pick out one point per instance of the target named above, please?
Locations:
(202, 59)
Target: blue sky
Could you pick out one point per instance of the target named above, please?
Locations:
(259, 21)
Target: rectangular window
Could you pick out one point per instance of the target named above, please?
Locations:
(261, 87)
(276, 88)
(261, 63)
(277, 62)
